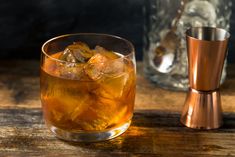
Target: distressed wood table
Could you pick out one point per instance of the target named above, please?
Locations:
(155, 130)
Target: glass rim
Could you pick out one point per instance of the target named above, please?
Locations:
(132, 49)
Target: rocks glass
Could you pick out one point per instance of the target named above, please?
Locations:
(87, 86)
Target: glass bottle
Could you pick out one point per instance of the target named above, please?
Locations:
(165, 58)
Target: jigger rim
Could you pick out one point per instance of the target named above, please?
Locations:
(215, 29)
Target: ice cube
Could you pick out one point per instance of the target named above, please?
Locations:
(95, 67)
(109, 54)
(98, 58)
(77, 52)
(75, 56)
(112, 87)
(109, 112)
(84, 102)
(81, 51)
(67, 107)
(68, 56)
(90, 119)
(72, 70)
(58, 109)
(98, 61)
(57, 116)
(93, 125)
(99, 115)
(115, 64)
(114, 68)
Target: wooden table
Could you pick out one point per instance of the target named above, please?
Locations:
(155, 130)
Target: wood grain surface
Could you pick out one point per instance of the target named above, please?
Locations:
(155, 130)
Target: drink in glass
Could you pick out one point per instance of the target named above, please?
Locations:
(87, 86)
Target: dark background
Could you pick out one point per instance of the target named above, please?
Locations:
(25, 24)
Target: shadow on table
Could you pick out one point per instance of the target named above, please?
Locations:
(161, 132)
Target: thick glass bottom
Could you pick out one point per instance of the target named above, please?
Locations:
(89, 136)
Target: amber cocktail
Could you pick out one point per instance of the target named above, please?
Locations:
(87, 86)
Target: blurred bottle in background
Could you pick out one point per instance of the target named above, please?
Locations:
(165, 56)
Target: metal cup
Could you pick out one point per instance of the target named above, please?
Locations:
(207, 48)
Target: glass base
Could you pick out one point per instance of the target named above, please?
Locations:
(89, 136)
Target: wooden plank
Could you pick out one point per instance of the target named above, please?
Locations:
(151, 133)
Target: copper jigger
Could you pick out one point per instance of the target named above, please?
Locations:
(207, 48)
